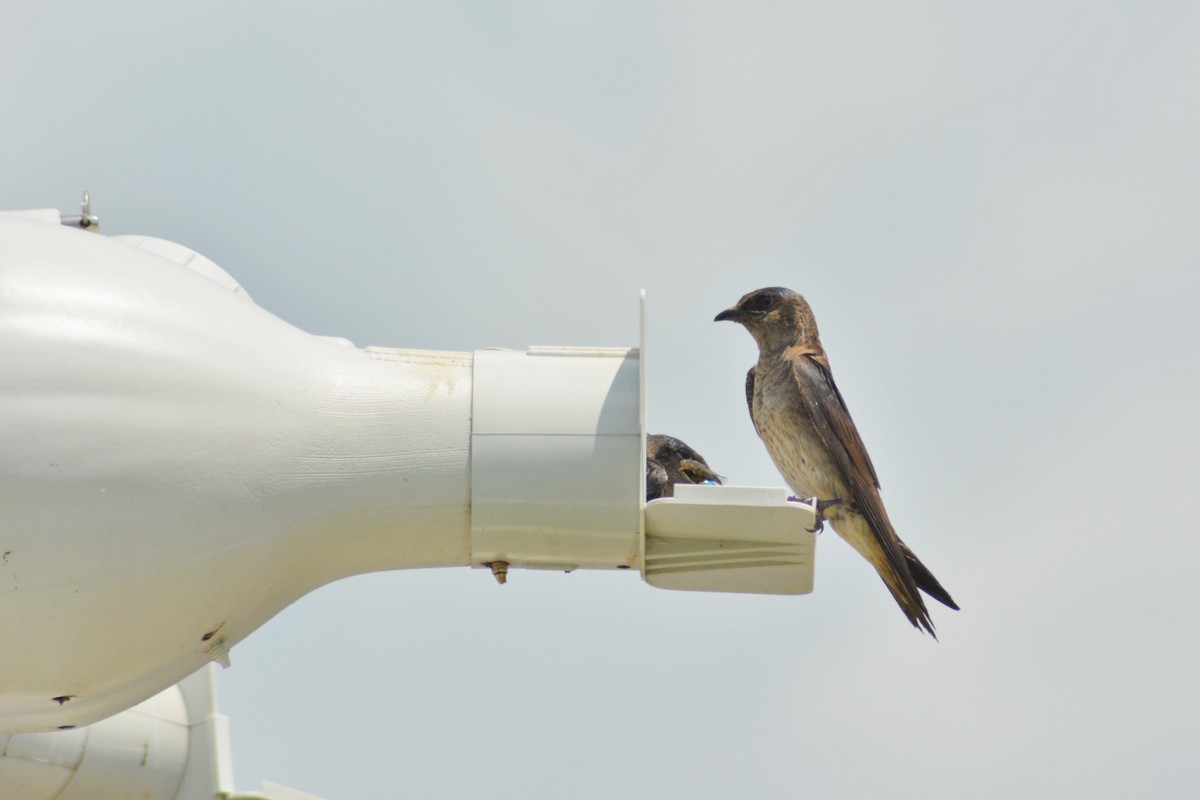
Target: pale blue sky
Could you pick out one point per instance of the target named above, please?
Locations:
(992, 209)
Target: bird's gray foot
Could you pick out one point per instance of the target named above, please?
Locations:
(819, 507)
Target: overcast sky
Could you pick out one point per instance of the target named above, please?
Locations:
(992, 209)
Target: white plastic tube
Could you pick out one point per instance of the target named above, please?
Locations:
(555, 452)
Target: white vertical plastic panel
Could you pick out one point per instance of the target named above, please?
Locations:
(555, 442)
(209, 771)
(643, 388)
(36, 766)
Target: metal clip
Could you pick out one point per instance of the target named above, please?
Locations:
(86, 220)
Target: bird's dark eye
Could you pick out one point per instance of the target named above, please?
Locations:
(759, 302)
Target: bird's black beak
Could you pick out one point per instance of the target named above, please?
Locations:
(730, 315)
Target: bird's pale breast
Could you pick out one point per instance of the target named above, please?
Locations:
(785, 427)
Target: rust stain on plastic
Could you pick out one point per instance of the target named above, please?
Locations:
(213, 632)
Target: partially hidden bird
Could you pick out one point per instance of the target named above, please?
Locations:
(803, 421)
(670, 461)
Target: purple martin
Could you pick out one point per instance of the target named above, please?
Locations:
(668, 462)
(802, 419)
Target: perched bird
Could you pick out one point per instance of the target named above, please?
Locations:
(668, 462)
(802, 419)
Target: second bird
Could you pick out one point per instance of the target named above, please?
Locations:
(802, 419)
(670, 461)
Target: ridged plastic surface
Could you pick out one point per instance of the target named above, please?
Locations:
(730, 539)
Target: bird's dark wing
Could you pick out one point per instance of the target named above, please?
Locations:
(829, 412)
(832, 420)
(839, 418)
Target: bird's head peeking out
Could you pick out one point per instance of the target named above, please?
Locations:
(670, 461)
(777, 318)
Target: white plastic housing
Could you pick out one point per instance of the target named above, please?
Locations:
(178, 465)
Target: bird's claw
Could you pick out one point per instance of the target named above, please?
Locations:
(819, 507)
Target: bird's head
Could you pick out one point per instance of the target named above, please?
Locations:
(670, 461)
(777, 318)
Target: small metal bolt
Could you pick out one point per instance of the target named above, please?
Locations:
(500, 570)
